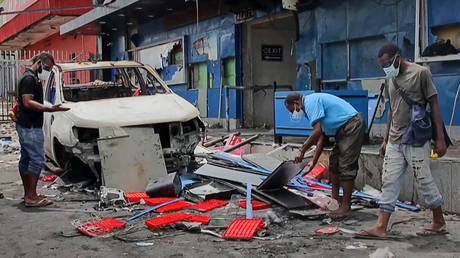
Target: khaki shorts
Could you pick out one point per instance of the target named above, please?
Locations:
(348, 142)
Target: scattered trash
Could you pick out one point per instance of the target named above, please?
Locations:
(49, 178)
(316, 172)
(371, 191)
(209, 205)
(202, 191)
(356, 246)
(326, 221)
(270, 217)
(311, 214)
(199, 218)
(168, 186)
(135, 196)
(256, 205)
(158, 200)
(179, 205)
(327, 230)
(144, 244)
(382, 253)
(166, 220)
(243, 229)
(111, 196)
(318, 198)
(2, 196)
(100, 227)
(248, 201)
(347, 231)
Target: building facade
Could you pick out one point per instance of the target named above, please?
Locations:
(200, 46)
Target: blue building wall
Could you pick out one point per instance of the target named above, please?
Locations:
(219, 31)
(367, 25)
(323, 36)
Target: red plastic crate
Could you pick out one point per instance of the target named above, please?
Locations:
(243, 229)
(100, 227)
(199, 218)
(158, 200)
(316, 172)
(166, 220)
(256, 205)
(179, 205)
(209, 205)
(135, 196)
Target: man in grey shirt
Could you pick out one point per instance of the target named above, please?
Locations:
(417, 82)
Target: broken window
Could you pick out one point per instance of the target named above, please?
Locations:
(109, 83)
(166, 58)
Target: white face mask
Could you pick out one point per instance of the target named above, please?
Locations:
(391, 71)
(297, 115)
(44, 75)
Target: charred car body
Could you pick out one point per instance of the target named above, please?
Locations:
(115, 94)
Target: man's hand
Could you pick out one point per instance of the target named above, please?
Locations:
(440, 148)
(58, 107)
(309, 166)
(12, 115)
(299, 156)
(383, 148)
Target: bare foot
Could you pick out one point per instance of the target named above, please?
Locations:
(340, 213)
(375, 231)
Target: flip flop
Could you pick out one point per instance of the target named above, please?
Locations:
(40, 203)
(364, 234)
(39, 195)
(432, 232)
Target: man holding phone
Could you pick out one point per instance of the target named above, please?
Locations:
(29, 122)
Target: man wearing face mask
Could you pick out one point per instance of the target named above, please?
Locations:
(331, 115)
(418, 85)
(29, 122)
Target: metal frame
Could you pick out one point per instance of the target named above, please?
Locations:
(421, 36)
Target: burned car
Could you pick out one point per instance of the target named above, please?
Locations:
(122, 94)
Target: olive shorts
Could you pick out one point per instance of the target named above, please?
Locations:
(347, 148)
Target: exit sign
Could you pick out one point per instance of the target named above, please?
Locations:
(272, 53)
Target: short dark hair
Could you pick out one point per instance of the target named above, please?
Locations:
(35, 59)
(42, 57)
(390, 49)
(292, 98)
(46, 56)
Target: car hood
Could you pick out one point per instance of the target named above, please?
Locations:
(129, 111)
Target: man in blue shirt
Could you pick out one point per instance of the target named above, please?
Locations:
(332, 116)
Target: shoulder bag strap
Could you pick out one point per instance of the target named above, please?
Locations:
(403, 94)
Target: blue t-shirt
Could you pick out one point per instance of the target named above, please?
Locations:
(331, 110)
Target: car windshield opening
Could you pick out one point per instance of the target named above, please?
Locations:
(107, 83)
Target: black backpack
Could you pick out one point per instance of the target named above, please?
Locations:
(440, 48)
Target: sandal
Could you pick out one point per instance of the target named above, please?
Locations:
(364, 234)
(39, 203)
(432, 232)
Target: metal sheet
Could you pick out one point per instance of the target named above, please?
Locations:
(130, 157)
(229, 174)
(281, 176)
(203, 102)
(284, 198)
(262, 160)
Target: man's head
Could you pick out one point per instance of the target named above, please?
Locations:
(390, 59)
(43, 61)
(293, 102)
